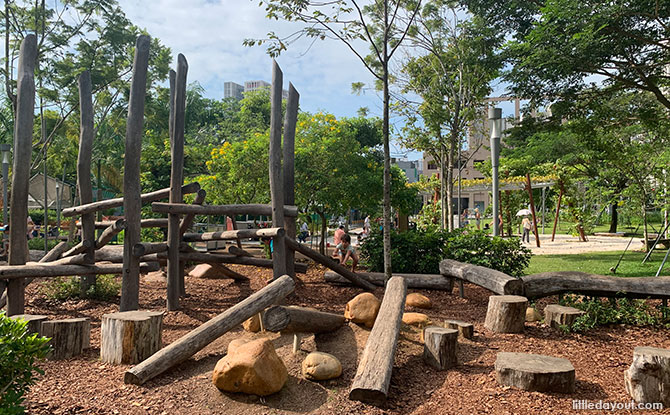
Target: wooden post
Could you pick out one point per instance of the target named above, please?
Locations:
(23, 140)
(373, 376)
(276, 174)
(84, 185)
(532, 209)
(558, 210)
(174, 285)
(130, 336)
(132, 205)
(289, 170)
(69, 337)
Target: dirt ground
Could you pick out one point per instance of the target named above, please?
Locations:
(85, 385)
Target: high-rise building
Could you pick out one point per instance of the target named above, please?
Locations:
(250, 86)
(232, 90)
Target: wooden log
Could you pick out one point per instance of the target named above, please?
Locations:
(422, 281)
(234, 222)
(130, 337)
(208, 258)
(288, 161)
(558, 282)
(132, 202)
(118, 202)
(187, 220)
(300, 320)
(232, 274)
(230, 235)
(534, 372)
(557, 315)
(238, 251)
(34, 322)
(466, 330)
(109, 233)
(116, 255)
(79, 259)
(80, 248)
(275, 170)
(146, 248)
(439, 347)
(496, 281)
(355, 279)
(12, 272)
(220, 210)
(69, 337)
(55, 252)
(195, 340)
(506, 313)
(373, 377)
(145, 223)
(647, 379)
(23, 139)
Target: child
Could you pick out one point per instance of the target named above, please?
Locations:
(344, 251)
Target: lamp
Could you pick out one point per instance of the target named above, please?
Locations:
(495, 120)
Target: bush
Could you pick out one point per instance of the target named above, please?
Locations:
(19, 354)
(622, 311)
(64, 288)
(420, 251)
(38, 243)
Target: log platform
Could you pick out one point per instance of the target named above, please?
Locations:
(648, 378)
(465, 330)
(34, 322)
(129, 337)
(557, 315)
(506, 313)
(534, 372)
(439, 348)
(69, 337)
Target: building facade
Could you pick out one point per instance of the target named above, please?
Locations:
(233, 90)
(411, 169)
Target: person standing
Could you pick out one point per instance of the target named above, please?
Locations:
(525, 224)
(478, 218)
(337, 238)
(366, 225)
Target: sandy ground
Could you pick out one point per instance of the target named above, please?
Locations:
(567, 244)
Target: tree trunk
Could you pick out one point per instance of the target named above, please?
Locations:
(644, 219)
(324, 235)
(614, 218)
(387, 149)
(443, 185)
(450, 186)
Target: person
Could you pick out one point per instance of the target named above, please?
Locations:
(500, 225)
(31, 228)
(464, 218)
(304, 232)
(487, 227)
(525, 224)
(366, 225)
(339, 232)
(345, 251)
(478, 218)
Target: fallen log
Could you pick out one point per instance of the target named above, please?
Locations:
(11, 272)
(79, 259)
(117, 202)
(220, 210)
(229, 235)
(355, 279)
(300, 320)
(195, 340)
(422, 281)
(552, 283)
(208, 258)
(146, 248)
(373, 377)
(109, 233)
(55, 252)
(496, 281)
(238, 251)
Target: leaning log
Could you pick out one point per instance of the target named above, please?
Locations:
(230, 235)
(238, 251)
(195, 340)
(80, 248)
(496, 281)
(220, 210)
(373, 377)
(355, 279)
(118, 202)
(208, 258)
(551, 283)
(109, 233)
(55, 252)
(13, 272)
(420, 281)
(300, 320)
(187, 220)
(79, 259)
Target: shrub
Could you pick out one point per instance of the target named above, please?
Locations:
(621, 311)
(64, 288)
(475, 247)
(38, 243)
(19, 354)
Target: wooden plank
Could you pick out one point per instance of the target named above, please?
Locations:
(12, 272)
(132, 202)
(23, 139)
(496, 281)
(289, 169)
(230, 235)
(275, 171)
(421, 281)
(109, 233)
(195, 340)
(220, 210)
(373, 377)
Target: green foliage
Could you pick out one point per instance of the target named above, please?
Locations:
(507, 255)
(38, 243)
(64, 288)
(19, 354)
(600, 312)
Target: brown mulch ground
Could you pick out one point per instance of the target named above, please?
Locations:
(86, 385)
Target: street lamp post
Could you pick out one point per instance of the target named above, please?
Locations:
(495, 119)
(5, 148)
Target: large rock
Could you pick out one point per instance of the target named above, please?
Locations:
(254, 369)
(212, 271)
(534, 372)
(362, 309)
(416, 319)
(532, 315)
(648, 378)
(321, 366)
(418, 300)
(252, 324)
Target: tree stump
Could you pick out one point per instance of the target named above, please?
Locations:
(648, 378)
(439, 348)
(534, 372)
(129, 337)
(34, 322)
(69, 337)
(506, 313)
(466, 330)
(557, 315)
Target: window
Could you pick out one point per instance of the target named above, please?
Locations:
(432, 165)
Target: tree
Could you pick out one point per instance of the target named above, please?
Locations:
(387, 24)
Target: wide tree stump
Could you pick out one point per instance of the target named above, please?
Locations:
(129, 337)
(34, 321)
(506, 313)
(439, 348)
(466, 330)
(69, 337)
(534, 372)
(648, 378)
(557, 315)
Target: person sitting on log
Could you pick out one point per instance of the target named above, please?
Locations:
(345, 251)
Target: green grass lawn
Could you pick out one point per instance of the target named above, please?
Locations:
(600, 263)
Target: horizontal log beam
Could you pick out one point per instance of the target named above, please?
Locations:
(145, 223)
(117, 202)
(420, 281)
(10, 272)
(300, 320)
(495, 281)
(236, 234)
(220, 210)
(146, 248)
(208, 258)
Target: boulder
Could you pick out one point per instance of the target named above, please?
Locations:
(363, 309)
(156, 276)
(418, 300)
(208, 271)
(321, 366)
(415, 319)
(252, 324)
(647, 379)
(236, 344)
(532, 315)
(254, 369)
